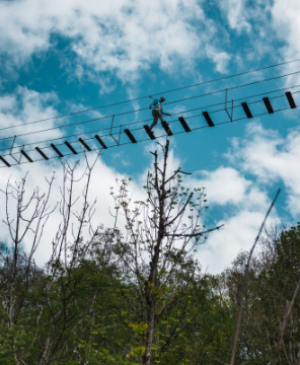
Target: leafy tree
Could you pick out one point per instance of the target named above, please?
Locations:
(161, 234)
(133, 293)
(270, 328)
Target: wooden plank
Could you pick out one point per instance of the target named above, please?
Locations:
(149, 132)
(247, 110)
(208, 119)
(57, 150)
(291, 100)
(130, 136)
(25, 154)
(100, 141)
(41, 153)
(84, 144)
(70, 147)
(3, 160)
(167, 128)
(268, 105)
(184, 124)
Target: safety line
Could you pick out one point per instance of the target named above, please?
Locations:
(142, 109)
(147, 139)
(141, 128)
(163, 92)
(146, 120)
(164, 135)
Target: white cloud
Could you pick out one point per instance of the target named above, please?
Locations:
(25, 106)
(286, 27)
(271, 158)
(241, 201)
(236, 13)
(119, 37)
(236, 236)
(259, 163)
(285, 16)
(220, 59)
(258, 32)
(271, 161)
(242, 205)
(124, 37)
(224, 185)
(103, 178)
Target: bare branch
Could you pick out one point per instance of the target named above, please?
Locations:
(238, 322)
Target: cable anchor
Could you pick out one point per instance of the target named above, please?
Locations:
(231, 114)
(111, 134)
(10, 152)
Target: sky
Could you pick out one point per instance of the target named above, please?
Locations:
(60, 58)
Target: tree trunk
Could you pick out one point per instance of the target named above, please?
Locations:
(150, 331)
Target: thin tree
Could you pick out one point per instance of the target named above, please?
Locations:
(161, 234)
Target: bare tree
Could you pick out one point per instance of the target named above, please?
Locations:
(161, 233)
(29, 218)
(57, 285)
(68, 252)
(241, 295)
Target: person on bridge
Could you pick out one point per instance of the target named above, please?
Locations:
(157, 111)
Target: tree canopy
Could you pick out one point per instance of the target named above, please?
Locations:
(134, 294)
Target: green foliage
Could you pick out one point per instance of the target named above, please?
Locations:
(136, 295)
(106, 322)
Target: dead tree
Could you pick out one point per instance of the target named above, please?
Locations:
(161, 233)
(25, 222)
(55, 298)
(68, 252)
(29, 217)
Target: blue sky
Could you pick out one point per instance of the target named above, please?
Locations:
(60, 57)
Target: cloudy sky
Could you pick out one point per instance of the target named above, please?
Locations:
(61, 57)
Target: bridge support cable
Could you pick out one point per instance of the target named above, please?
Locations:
(166, 91)
(111, 132)
(118, 141)
(206, 115)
